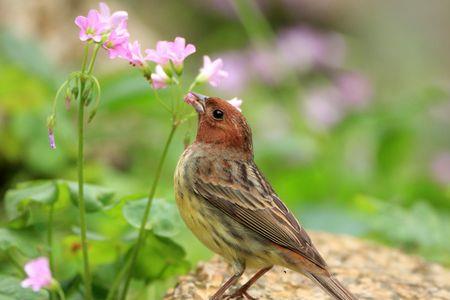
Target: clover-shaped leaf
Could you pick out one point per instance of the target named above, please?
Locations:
(18, 201)
(19, 239)
(163, 219)
(96, 198)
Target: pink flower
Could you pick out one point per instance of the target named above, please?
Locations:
(117, 41)
(190, 98)
(113, 20)
(91, 27)
(39, 274)
(440, 168)
(132, 53)
(175, 51)
(356, 90)
(160, 79)
(236, 102)
(161, 54)
(212, 71)
(322, 108)
(179, 51)
(304, 48)
(237, 63)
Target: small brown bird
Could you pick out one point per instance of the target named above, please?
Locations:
(229, 205)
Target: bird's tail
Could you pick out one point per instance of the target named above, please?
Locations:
(333, 287)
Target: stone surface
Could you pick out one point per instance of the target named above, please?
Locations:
(370, 271)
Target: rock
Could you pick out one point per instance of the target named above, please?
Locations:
(370, 271)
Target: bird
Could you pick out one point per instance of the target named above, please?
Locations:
(228, 204)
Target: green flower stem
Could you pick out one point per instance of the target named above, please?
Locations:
(60, 292)
(85, 56)
(81, 203)
(192, 86)
(253, 20)
(142, 232)
(118, 279)
(50, 236)
(94, 56)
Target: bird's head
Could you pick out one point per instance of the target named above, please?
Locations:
(221, 124)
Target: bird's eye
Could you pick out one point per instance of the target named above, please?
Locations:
(218, 114)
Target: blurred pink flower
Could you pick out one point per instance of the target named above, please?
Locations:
(356, 90)
(51, 138)
(265, 62)
(113, 20)
(160, 79)
(117, 41)
(175, 51)
(132, 53)
(236, 63)
(304, 48)
(440, 168)
(236, 102)
(212, 71)
(39, 274)
(322, 108)
(91, 27)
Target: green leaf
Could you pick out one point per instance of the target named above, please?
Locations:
(96, 198)
(163, 219)
(10, 289)
(19, 200)
(160, 258)
(19, 239)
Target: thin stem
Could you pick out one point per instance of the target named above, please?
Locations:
(94, 56)
(142, 231)
(81, 204)
(161, 102)
(253, 20)
(85, 56)
(118, 279)
(192, 86)
(60, 292)
(50, 237)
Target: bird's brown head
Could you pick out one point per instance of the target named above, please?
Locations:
(221, 124)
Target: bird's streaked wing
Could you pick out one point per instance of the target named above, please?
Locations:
(246, 197)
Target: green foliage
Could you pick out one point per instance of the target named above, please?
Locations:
(163, 220)
(19, 202)
(10, 289)
(34, 198)
(21, 240)
(97, 198)
(168, 259)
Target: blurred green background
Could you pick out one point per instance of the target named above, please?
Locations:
(348, 102)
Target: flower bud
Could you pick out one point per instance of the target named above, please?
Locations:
(50, 126)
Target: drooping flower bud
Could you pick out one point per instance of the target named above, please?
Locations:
(51, 126)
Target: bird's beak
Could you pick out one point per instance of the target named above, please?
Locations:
(197, 101)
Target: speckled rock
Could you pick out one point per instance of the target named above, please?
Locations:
(370, 271)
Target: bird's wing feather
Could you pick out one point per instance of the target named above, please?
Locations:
(245, 196)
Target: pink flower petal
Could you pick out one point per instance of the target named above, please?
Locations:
(39, 274)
